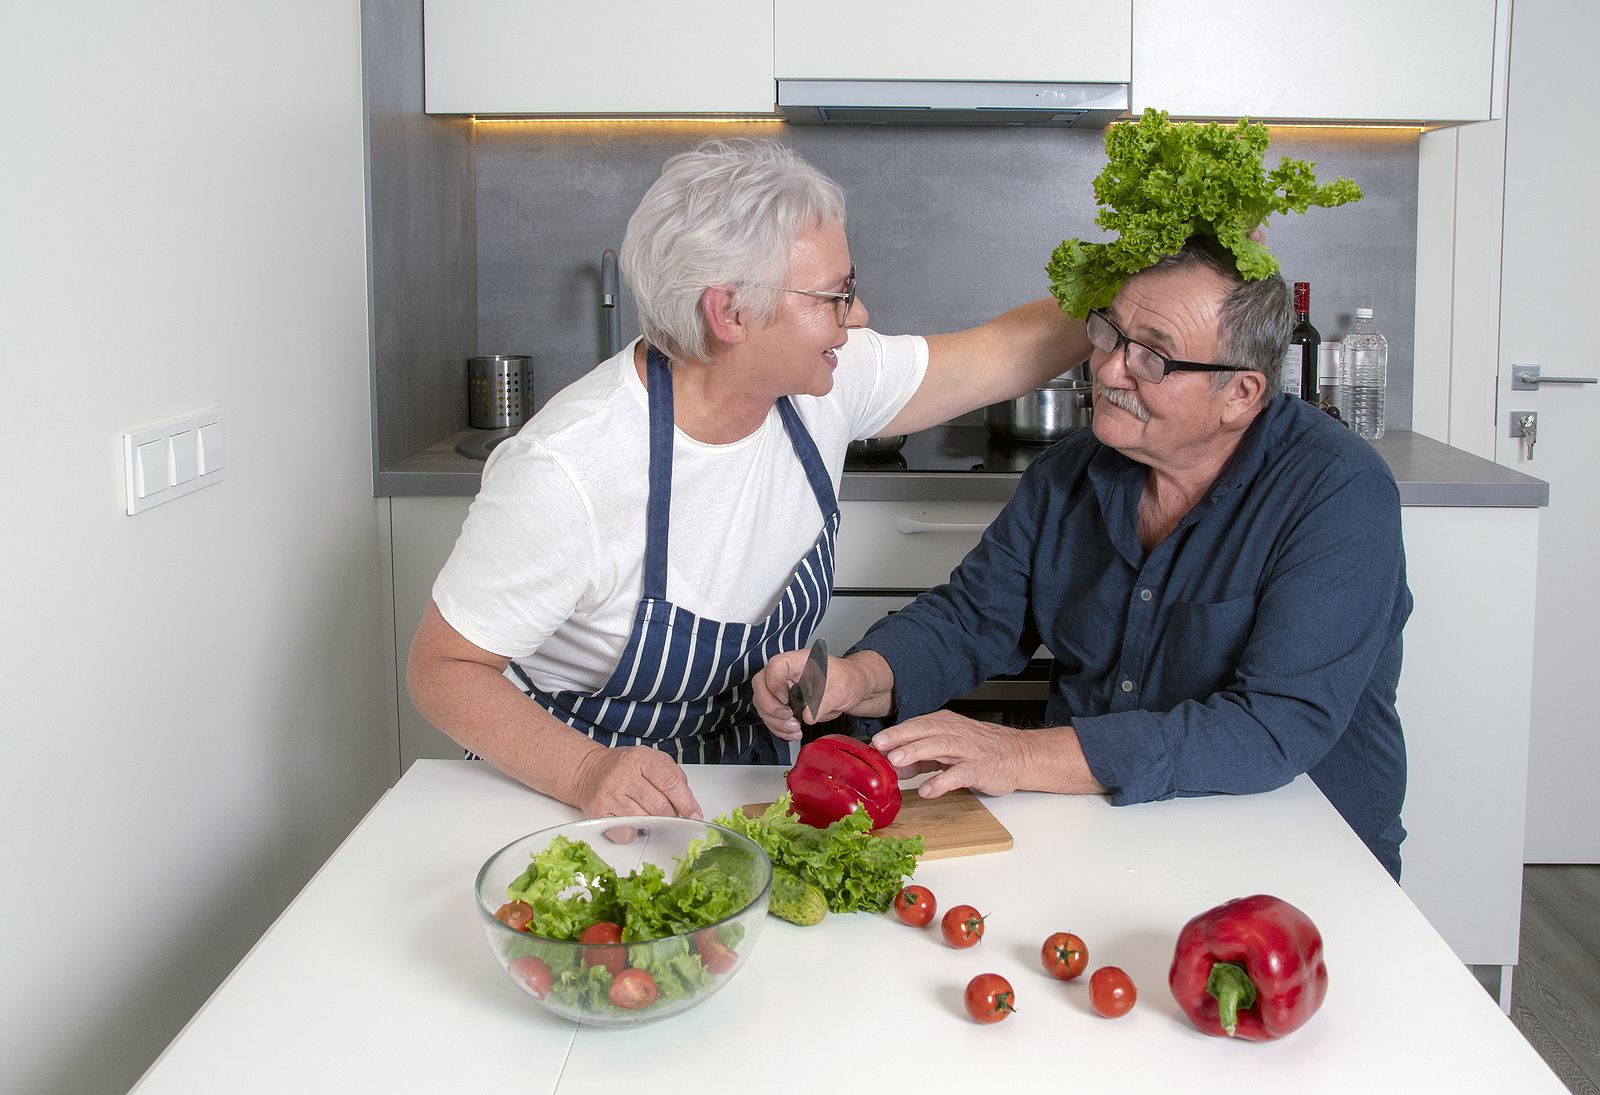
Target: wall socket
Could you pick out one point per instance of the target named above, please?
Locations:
(161, 463)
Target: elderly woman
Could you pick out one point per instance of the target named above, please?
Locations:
(666, 524)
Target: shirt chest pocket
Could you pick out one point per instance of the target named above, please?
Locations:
(1201, 648)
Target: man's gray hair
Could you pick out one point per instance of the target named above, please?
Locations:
(727, 214)
(1257, 316)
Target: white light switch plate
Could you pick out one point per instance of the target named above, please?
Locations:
(168, 461)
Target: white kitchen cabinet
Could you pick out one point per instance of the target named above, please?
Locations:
(1080, 41)
(422, 532)
(1371, 60)
(627, 57)
(1465, 698)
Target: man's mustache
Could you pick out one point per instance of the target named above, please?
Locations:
(1122, 397)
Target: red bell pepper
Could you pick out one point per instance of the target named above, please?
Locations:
(1251, 967)
(835, 773)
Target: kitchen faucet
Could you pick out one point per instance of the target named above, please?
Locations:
(608, 305)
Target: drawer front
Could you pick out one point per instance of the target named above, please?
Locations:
(906, 545)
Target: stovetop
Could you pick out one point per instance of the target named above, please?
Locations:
(953, 448)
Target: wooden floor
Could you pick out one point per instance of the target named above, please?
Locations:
(1555, 991)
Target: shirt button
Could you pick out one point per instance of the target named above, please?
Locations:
(1127, 686)
(1144, 595)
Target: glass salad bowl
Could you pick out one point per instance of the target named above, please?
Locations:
(623, 920)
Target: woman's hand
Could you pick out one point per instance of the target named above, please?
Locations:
(633, 779)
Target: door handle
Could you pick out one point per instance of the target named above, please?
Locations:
(1525, 378)
(911, 524)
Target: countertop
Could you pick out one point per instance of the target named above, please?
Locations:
(336, 997)
(960, 462)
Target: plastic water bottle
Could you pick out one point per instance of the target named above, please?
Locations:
(1363, 376)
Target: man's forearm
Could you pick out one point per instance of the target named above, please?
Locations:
(1054, 761)
(871, 687)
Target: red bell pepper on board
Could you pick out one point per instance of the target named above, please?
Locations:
(1250, 968)
(834, 773)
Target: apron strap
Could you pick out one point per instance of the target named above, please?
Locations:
(657, 517)
(806, 449)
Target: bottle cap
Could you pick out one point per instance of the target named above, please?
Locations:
(1363, 313)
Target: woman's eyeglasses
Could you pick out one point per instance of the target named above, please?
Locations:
(842, 302)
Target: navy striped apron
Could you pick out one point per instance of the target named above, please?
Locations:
(683, 682)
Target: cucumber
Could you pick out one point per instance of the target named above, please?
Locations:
(795, 900)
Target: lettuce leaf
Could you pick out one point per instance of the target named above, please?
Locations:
(569, 887)
(856, 871)
(1164, 182)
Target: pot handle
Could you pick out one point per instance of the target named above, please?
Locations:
(911, 524)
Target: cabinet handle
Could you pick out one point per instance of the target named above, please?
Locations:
(911, 524)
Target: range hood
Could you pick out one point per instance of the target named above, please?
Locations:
(937, 102)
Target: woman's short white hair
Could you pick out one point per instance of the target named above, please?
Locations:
(726, 214)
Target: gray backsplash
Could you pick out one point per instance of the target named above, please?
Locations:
(948, 226)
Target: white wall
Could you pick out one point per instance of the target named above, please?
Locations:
(194, 703)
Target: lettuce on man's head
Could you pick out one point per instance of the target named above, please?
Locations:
(1164, 182)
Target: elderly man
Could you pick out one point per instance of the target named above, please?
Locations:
(1217, 571)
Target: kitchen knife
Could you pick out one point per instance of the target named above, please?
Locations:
(806, 694)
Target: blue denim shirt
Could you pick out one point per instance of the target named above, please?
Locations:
(1259, 640)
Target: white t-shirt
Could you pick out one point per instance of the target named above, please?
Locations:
(550, 562)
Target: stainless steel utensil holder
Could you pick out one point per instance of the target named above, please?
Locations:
(499, 391)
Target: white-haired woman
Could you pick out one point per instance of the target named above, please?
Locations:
(666, 524)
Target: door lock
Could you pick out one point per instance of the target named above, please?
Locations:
(1525, 424)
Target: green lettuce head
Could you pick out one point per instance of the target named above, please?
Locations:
(1164, 182)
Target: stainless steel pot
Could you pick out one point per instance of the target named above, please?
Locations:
(1048, 413)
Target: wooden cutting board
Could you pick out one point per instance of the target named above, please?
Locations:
(955, 823)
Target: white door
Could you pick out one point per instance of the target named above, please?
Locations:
(1550, 291)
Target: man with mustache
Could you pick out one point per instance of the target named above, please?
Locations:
(1216, 569)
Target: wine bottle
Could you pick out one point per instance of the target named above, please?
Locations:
(1305, 339)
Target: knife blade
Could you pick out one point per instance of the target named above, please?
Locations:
(806, 694)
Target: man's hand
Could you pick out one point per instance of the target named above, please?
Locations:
(861, 684)
(770, 692)
(985, 756)
(633, 779)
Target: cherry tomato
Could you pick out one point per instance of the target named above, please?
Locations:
(533, 974)
(718, 957)
(1064, 955)
(612, 958)
(989, 998)
(633, 989)
(962, 926)
(518, 915)
(1111, 992)
(915, 905)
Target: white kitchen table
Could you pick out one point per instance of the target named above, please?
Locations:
(377, 977)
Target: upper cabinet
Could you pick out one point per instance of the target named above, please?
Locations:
(1340, 60)
(1335, 60)
(627, 57)
(1070, 41)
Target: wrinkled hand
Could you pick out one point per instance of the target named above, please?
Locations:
(634, 779)
(770, 692)
(964, 752)
(770, 689)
